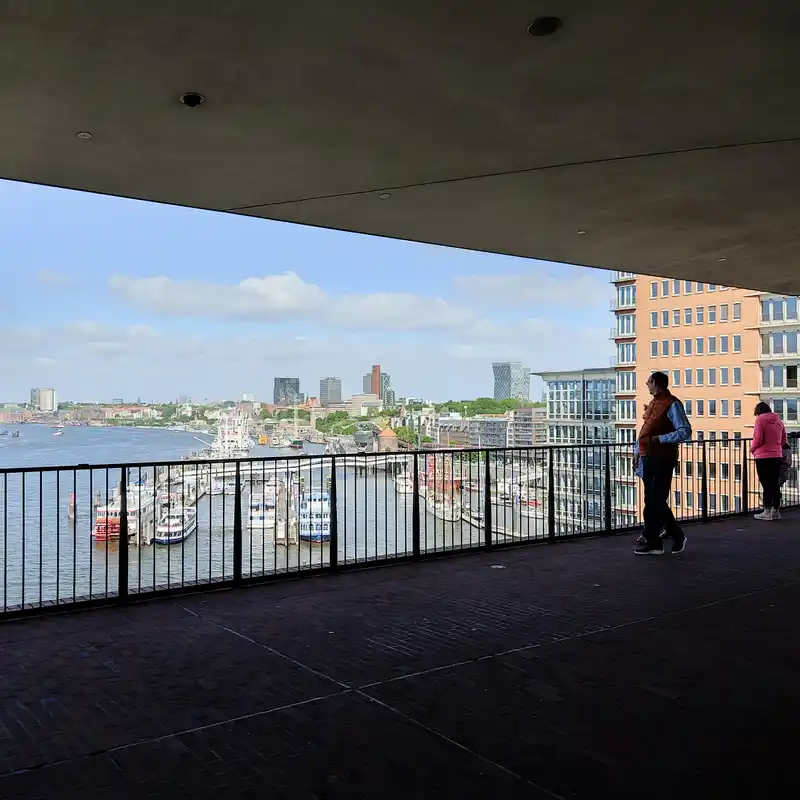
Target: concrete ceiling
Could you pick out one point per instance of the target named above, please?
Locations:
(658, 137)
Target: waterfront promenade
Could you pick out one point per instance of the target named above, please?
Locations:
(573, 670)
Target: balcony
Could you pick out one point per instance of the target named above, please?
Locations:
(622, 277)
(615, 333)
(616, 304)
(394, 683)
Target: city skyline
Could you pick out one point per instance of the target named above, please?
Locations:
(108, 297)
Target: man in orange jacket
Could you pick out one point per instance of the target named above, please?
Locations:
(664, 427)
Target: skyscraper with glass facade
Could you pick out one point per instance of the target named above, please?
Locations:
(512, 381)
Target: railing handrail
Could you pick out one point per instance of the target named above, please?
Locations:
(306, 456)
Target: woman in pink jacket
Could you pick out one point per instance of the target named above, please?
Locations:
(769, 437)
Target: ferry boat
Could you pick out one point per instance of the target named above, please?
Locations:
(261, 509)
(315, 517)
(176, 525)
(141, 515)
(233, 439)
(296, 444)
(443, 490)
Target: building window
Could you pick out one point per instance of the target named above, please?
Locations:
(791, 409)
(676, 288)
(654, 290)
(699, 345)
(737, 343)
(700, 288)
(687, 347)
(653, 349)
(791, 377)
(676, 347)
(665, 347)
(687, 407)
(712, 376)
(676, 377)
(737, 408)
(712, 315)
(723, 344)
(687, 377)
(701, 408)
(687, 287)
(724, 507)
(791, 308)
(712, 345)
(724, 470)
(689, 499)
(737, 376)
(723, 376)
(676, 316)
(737, 310)
(712, 408)
(654, 319)
(723, 313)
(724, 436)
(699, 436)
(791, 342)
(688, 469)
(665, 319)
(676, 499)
(665, 288)
(712, 287)
(687, 316)
(699, 314)
(712, 502)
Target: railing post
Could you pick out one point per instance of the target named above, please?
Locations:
(237, 527)
(607, 491)
(745, 482)
(334, 546)
(122, 576)
(551, 497)
(704, 482)
(487, 506)
(415, 521)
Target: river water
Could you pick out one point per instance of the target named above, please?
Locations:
(50, 556)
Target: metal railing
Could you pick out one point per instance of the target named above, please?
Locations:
(116, 532)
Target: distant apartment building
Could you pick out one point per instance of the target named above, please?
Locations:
(287, 391)
(488, 430)
(580, 411)
(330, 391)
(44, 400)
(512, 381)
(389, 400)
(366, 383)
(450, 430)
(375, 380)
(724, 349)
(386, 383)
(360, 405)
(527, 427)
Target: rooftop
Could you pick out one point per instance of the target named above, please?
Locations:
(573, 671)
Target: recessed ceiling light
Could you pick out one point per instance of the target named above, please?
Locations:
(544, 26)
(83, 135)
(192, 99)
(581, 233)
(385, 195)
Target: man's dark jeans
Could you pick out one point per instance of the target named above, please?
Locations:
(657, 480)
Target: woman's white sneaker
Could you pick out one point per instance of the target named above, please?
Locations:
(766, 514)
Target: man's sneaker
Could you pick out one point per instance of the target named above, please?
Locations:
(678, 544)
(649, 550)
(776, 515)
(766, 514)
(642, 540)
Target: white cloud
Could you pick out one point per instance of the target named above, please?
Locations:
(277, 298)
(49, 278)
(537, 288)
(274, 297)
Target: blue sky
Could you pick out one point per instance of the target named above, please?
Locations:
(103, 297)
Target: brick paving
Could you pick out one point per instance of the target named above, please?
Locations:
(572, 671)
